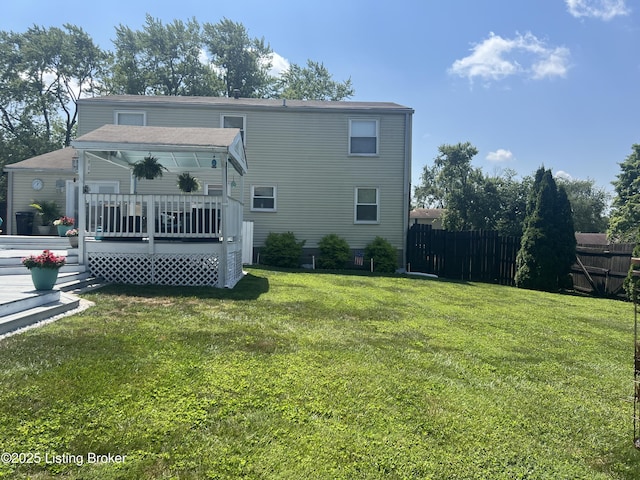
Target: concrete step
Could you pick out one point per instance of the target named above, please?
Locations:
(28, 301)
(19, 269)
(77, 282)
(33, 242)
(40, 312)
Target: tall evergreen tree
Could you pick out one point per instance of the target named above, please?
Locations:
(548, 243)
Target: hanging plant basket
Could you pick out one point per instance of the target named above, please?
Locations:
(188, 183)
(148, 168)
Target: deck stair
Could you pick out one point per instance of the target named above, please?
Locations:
(20, 304)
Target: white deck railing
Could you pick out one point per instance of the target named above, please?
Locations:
(158, 217)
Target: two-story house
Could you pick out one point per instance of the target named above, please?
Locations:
(312, 167)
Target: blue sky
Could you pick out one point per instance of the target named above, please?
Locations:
(528, 82)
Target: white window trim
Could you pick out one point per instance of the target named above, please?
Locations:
(275, 198)
(365, 119)
(129, 112)
(244, 124)
(355, 206)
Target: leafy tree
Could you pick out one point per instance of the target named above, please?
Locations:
(588, 203)
(45, 72)
(548, 243)
(162, 60)
(452, 183)
(512, 195)
(625, 213)
(313, 82)
(243, 62)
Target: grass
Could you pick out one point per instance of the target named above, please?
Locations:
(301, 375)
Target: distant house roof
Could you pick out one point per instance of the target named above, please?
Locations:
(58, 160)
(427, 213)
(243, 103)
(592, 238)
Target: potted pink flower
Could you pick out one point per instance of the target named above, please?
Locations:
(63, 224)
(44, 269)
(72, 235)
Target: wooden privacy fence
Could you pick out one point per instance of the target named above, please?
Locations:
(601, 269)
(485, 256)
(477, 255)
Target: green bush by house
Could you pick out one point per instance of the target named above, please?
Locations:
(385, 258)
(282, 250)
(334, 252)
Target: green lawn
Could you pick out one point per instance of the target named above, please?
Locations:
(313, 376)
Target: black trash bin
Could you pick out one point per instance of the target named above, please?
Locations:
(24, 223)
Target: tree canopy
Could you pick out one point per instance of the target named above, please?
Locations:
(625, 212)
(161, 60)
(474, 200)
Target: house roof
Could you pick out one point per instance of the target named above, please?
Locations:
(175, 147)
(592, 238)
(58, 160)
(129, 101)
(427, 213)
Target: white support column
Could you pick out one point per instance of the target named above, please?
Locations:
(224, 264)
(82, 210)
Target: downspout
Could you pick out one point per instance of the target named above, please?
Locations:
(408, 125)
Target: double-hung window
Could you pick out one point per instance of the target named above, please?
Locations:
(235, 121)
(367, 205)
(126, 117)
(263, 198)
(363, 136)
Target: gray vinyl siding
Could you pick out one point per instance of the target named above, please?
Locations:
(24, 195)
(304, 153)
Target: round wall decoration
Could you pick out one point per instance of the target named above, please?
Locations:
(37, 184)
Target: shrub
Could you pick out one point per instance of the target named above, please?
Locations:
(281, 250)
(334, 252)
(384, 256)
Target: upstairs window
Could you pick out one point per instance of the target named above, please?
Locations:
(130, 118)
(234, 121)
(363, 137)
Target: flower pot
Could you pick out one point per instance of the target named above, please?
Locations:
(63, 229)
(73, 241)
(44, 278)
(43, 229)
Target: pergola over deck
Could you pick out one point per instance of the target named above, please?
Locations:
(173, 239)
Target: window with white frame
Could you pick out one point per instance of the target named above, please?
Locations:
(213, 190)
(235, 121)
(136, 118)
(263, 198)
(363, 137)
(367, 205)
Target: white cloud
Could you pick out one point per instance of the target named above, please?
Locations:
(278, 64)
(602, 9)
(496, 58)
(499, 156)
(563, 175)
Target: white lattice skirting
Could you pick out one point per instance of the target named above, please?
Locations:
(157, 269)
